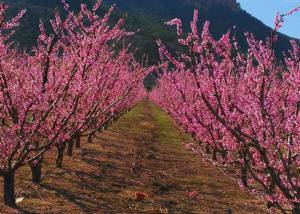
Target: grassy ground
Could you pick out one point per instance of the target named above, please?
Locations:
(139, 156)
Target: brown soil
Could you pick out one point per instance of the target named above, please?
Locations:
(137, 166)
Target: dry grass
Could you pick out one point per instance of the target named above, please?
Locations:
(139, 154)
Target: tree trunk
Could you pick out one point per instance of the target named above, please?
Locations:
(90, 138)
(60, 155)
(70, 147)
(77, 140)
(229, 211)
(207, 149)
(215, 155)
(105, 126)
(296, 208)
(9, 189)
(36, 171)
(244, 175)
(224, 157)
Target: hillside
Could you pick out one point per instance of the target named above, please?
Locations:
(149, 16)
(40, 9)
(223, 14)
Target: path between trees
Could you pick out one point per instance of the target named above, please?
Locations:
(137, 166)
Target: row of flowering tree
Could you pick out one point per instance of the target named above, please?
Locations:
(73, 82)
(244, 106)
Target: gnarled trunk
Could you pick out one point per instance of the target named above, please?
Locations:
(215, 155)
(90, 137)
(36, 170)
(207, 149)
(244, 176)
(105, 126)
(296, 208)
(224, 157)
(70, 147)
(77, 140)
(9, 189)
(60, 155)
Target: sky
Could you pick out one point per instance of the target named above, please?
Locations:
(265, 10)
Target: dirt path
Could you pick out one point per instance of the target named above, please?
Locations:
(139, 154)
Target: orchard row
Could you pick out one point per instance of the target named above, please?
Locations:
(73, 82)
(243, 106)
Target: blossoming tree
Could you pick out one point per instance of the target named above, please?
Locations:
(243, 105)
(75, 78)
